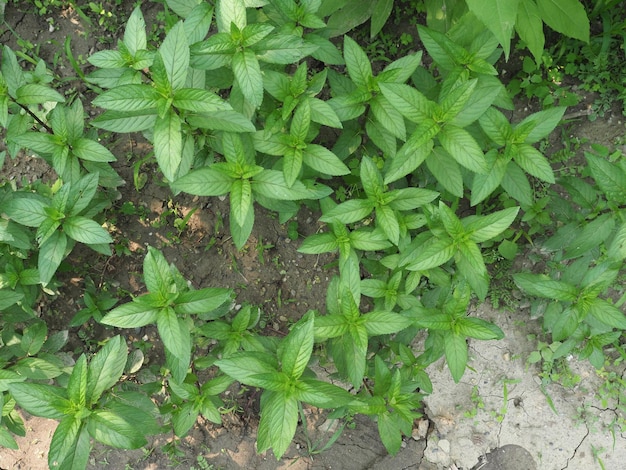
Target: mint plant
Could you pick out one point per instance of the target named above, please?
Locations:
(415, 170)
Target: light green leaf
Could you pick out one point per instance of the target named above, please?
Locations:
(200, 101)
(499, 17)
(463, 148)
(350, 211)
(516, 184)
(107, 59)
(607, 313)
(532, 161)
(86, 231)
(412, 104)
(433, 253)
(113, 430)
(125, 121)
(198, 22)
(477, 328)
(455, 348)
(28, 210)
(135, 32)
(529, 27)
(157, 274)
(91, 150)
(128, 98)
(446, 170)
(174, 333)
(77, 384)
(486, 227)
(248, 75)
(205, 181)
(565, 16)
(70, 445)
(387, 115)
(413, 152)
(230, 11)
(609, 177)
(106, 368)
(323, 160)
(296, 349)
(168, 145)
(51, 253)
(319, 243)
(34, 93)
(540, 124)
(131, 315)
(387, 220)
(42, 400)
(358, 64)
(201, 301)
(240, 200)
(176, 56)
(542, 286)
(279, 419)
(384, 323)
(407, 199)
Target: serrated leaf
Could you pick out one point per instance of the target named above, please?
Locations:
(323, 160)
(609, 176)
(247, 73)
(135, 32)
(34, 93)
(412, 104)
(132, 97)
(463, 148)
(157, 274)
(70, 445)
(200, 101)
(358, 64)
(296, 349)
(51, 253)
(544, 287)
(565, 16)
(168, 144)
(455, 348)
(499, 17)
(86, 231)
(279, 419)
(350, 211)
(446, 170)
(533, 162)
(319, 243)
(540, 123)
(384, 323)
(529, 27)
(131, 315)
(174, 51)
(484, 228)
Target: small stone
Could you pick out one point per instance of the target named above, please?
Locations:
(444, 445)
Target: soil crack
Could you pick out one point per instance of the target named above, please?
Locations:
(576, 449)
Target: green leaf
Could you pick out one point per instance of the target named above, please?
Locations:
(34, 93)
(389, 433)
(384, 323)
(609, 177)
(28, 210)
(241, 232)
(86, 231)
(200, 101)
(113, 430)
(441, 48)
(279, 419)
(463, 148)
(174, 333)
(321, 394)
(529, 27)
(358, 64)
(323, 160)
(39, 368)
(412, 104)
(516, 184)
(296, 349)
(369, 240)
(106, 368)
(128, 98)
(51, 253)
(540, 124)
(131, 315)
(446, 170)
(543, 286)
(433, 253)
(183, 8)
(272, 184)
(533, 162)
(157, 273)
(201, 301)
(565, 16)
(617, 246)
(591, 236)
(387, 115)
(107, 59)
(455, 100)
(70, 446)
(41, 400)
(77, 384)
(387, 220)
(350, 211)
(205, 181)
(135, 33)
(175, 54)
(413, 153)
(499, 17)
(91, 150)
(319, 243)
(455, 348)
(168, 145)
(240, 200)
(248, 75)
(198, 22)
(607, 313)
(477, 328)
(125, 121)
(243, 366)
(407, 199)
(230, 11)
(483, 228)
